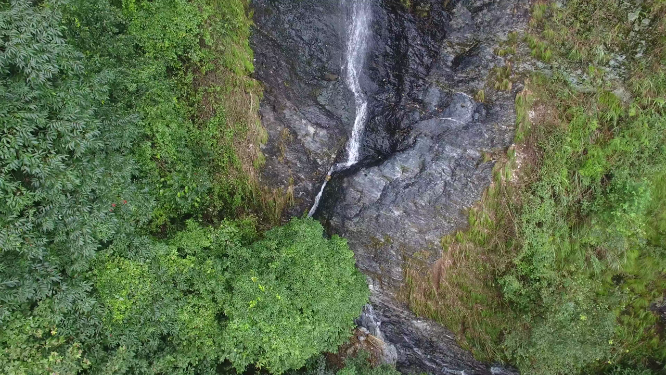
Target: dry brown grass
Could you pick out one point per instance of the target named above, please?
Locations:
(459, 289)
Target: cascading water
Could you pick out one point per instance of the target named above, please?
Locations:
(355, 59)
(356, 49)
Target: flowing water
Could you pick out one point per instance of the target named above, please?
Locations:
(356, 51)
(355, 59)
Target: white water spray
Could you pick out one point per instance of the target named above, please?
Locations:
(355, 59)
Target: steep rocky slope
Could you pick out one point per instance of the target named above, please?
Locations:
(434, 111)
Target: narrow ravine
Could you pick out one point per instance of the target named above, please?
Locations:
(380, 98)
(359, 26)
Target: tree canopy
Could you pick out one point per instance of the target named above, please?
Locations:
(119, 254)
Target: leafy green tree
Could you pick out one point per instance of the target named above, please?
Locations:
(210, 295)
(66, 189)
(65, 175)
(150, 45)
(295, 294)
(34, 346)
(83, 286)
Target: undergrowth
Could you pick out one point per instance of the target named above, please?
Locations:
(186, 67)
(566, 252)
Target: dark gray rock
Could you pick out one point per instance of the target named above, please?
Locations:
(308, 112)
(426, 135)
(659, 308)
(419, 345)
(408, 202)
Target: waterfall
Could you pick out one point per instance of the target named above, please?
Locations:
(355, 59)
(321, 191)
(356, 48)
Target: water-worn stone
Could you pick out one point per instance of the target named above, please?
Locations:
(426, 135)
(419, 345)
(422, 159)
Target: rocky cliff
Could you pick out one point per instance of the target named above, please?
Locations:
(433, 112)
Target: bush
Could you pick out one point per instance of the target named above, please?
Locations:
(63, 162)
(296, 294)
(274, 303)
(358, 365)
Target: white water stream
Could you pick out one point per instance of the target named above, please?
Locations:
(355, 59)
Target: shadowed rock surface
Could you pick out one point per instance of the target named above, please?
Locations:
(422, 160)
(307, 109)
(427, 134)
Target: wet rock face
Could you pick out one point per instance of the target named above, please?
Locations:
(422, 159)
(426, 135)
(404, 48)
(408, 202)
(418, 345)
(307, 109)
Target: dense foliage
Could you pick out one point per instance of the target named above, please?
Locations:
(274, 302)
(355, 365)
(125, 235)
(566, 255)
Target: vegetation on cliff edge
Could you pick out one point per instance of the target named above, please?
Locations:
(565, 257)
(132, 227)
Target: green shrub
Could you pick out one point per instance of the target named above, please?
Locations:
(357, 365)
(66, 181)
(209, 296)
(296, 294)
(163, 55)
(101, 147)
